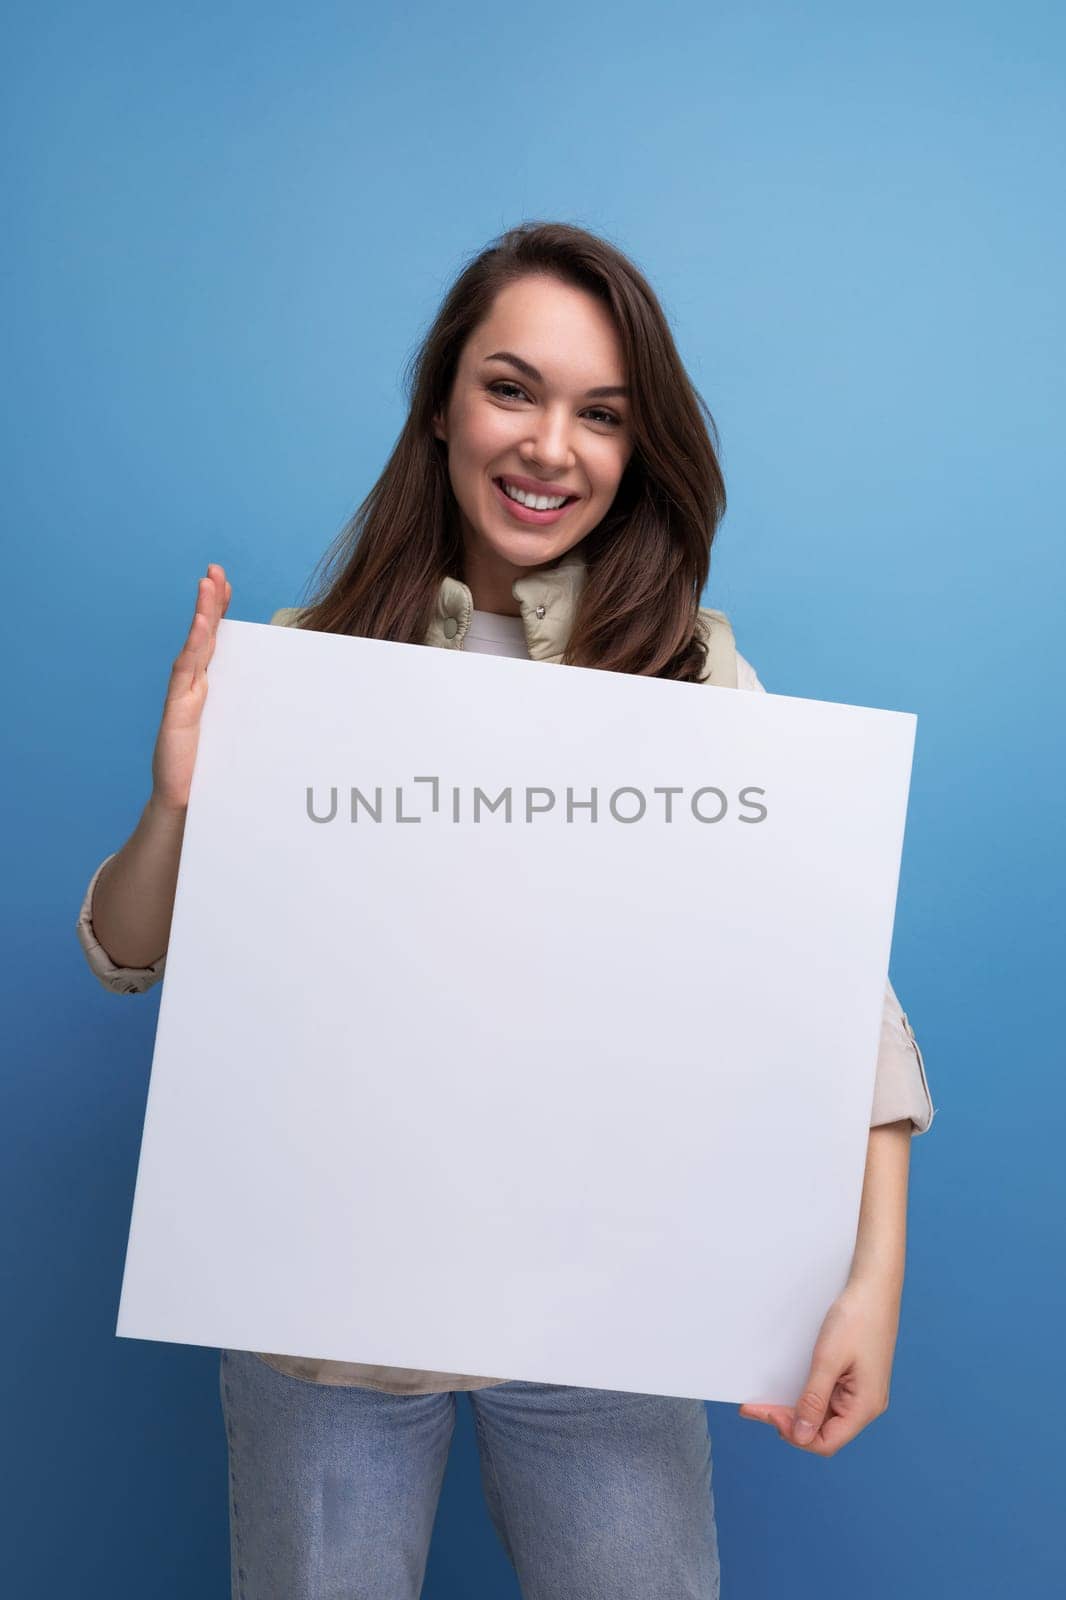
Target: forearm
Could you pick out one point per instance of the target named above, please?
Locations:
(881, 1237)
(133, 902)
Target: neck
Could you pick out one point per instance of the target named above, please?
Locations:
(489, 580)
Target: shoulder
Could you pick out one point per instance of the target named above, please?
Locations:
(747, 677)
(726, 665)
(287, 617)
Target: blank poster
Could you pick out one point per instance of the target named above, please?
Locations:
(518, 1019)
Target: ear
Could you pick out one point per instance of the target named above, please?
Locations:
(438, 427)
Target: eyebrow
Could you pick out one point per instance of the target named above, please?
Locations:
(531, 372)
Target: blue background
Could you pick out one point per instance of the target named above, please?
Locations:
(226, 227)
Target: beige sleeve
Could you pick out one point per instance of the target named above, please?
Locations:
(120, 980)
(901, 1088)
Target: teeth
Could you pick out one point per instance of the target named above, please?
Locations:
(535, 502)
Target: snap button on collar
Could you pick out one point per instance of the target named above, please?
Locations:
(540, 611)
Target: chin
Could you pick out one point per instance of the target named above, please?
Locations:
(530, 552)
(520, 547)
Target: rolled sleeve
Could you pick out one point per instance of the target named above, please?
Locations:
(901, 1088)
(120, 980)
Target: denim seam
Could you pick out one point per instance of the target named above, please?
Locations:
(490, 1458)
(230, 1432)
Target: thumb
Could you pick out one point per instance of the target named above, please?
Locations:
(811, 1407)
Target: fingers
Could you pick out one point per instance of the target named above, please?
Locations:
(184, 666)
(813, 1404)
(835, 1432)
(221, 589)
(212, 597)
(783, 1419)
(779, 1417)
(222, 592)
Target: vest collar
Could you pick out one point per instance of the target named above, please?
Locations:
(547, 600)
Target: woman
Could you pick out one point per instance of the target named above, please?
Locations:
(554, 493)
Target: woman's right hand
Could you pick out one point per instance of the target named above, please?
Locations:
(179, 732)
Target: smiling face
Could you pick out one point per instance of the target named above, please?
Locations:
(536, 404)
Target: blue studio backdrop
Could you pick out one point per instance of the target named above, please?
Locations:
(226, 228)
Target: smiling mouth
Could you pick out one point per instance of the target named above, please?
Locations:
(529, 515)
(533, 514)
(501, 484)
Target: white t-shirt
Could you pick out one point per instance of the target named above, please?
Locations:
(491, 635)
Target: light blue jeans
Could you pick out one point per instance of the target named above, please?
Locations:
(595, 1493)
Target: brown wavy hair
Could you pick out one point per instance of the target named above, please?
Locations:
(647, 560)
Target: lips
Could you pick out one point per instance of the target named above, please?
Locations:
(524, 514)
(535, 485)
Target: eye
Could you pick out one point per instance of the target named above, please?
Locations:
(505, 383)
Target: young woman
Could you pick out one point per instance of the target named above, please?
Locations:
(554, 493)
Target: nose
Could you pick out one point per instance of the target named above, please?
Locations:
(549, 443)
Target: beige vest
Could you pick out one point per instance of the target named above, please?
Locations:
(548, 601)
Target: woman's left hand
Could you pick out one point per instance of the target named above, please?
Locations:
(851, 1369)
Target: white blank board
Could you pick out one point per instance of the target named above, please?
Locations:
(562, 1100)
